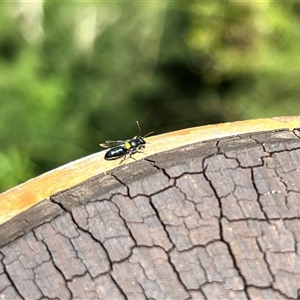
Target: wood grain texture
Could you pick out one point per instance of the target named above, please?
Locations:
(212, 220)
(20, 198)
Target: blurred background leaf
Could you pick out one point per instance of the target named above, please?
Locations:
(73, 74)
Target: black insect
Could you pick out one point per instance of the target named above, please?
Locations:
(125, 148)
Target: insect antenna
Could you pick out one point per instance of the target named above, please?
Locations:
(139, 127)
(138, 124)
(148, 134)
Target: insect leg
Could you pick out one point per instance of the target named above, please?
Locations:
(140, 149)
(125, 156)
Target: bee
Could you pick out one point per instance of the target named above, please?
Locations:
(125, 148)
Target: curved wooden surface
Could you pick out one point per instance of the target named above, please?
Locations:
(217, 219)
(28, 194)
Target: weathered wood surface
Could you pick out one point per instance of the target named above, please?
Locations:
(212, 220)
(31, 192)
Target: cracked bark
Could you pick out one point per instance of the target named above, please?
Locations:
(212, 220)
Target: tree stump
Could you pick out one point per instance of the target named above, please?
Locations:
(216, 219)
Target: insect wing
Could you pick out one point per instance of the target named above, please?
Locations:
(111, 144)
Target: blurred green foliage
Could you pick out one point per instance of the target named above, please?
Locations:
(75, 74)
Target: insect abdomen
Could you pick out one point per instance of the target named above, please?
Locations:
(115, 153)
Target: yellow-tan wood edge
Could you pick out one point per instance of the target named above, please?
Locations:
(23, 196)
